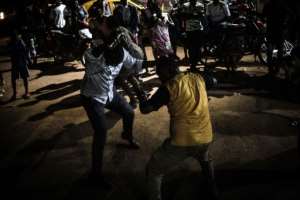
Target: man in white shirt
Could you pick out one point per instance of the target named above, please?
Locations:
(97, 93)
(217, 12)
(57, 15)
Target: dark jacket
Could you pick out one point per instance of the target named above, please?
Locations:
(133, 23)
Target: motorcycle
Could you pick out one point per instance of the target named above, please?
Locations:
(225, 47)
(68, 46)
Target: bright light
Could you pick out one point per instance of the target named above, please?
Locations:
(2, 16)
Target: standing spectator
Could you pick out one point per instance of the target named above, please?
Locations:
(99, 9)
(160, 37)
(217, 12)
(190, 126)
(58, 15)
(174, 27)
(128, 17)
(193, 15)
(276, 15)
(159, 30)
(20, 60)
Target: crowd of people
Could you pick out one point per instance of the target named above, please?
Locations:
(113, 54)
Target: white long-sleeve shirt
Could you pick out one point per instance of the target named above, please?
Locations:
(98, 81)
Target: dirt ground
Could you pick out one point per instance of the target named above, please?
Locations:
(45, 141)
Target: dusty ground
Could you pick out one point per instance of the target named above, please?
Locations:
(45, 141)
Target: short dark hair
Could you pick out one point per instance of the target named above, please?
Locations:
(113, 56)
(166, 66)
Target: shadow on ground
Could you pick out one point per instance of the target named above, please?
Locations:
(50, 68)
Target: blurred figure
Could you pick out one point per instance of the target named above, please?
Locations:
(100, 8)
(127, 16)
(160, 38)
(193, 13)
(190, 126)
(80, 16)
(217, 12)
(276, 15)
(159, 31)
(2, 84)
(58, 15)
(19, 61)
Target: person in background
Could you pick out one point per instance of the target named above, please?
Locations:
(159, 31)
(174, 27)
(217, 12)
(58, 15)
(193, 14)
(79, 16)
(20, 60)
(276, 15)
(2, 84)
(127, 16)
(190, 126)
(99, 9)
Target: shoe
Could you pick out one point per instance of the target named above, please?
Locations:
(132, 143)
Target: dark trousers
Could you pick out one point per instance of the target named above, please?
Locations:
(194, 46)
(96, 115)
(167, 157)
(275, 40)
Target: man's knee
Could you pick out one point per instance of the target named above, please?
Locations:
(129, 112)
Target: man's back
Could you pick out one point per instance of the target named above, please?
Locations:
(188, 107)
(58, 16)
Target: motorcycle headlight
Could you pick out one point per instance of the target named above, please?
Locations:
(2, 15)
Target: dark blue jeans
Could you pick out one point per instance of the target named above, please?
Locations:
(96, 115)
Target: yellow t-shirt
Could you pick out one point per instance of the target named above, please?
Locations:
(190, 122)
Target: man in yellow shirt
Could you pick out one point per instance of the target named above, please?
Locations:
(190, 125)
